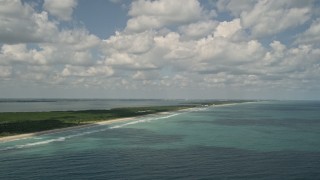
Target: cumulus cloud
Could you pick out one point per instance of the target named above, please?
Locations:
(79, 39)
(156, 14)
(19, 23)
(223, 51)
(268, 17)
(19, 53)
(173, 47)
(34, 49)
(165, 45)
(198, 29)
(288, 67)
(272, 17)
(87, 71)
(207, 52)
(61, 9)
(227, 29)
(133, 43)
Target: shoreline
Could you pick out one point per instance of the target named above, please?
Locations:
(103, 122)
(232, 104)
(58, 130)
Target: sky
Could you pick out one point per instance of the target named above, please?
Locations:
(171, 49)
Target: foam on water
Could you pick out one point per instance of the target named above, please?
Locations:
(33, 144)
(144, 120)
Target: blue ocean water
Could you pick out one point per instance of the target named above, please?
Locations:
(259, 140)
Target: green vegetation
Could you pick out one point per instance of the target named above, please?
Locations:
(28, 122)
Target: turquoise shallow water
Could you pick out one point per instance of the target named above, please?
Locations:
(262, 140)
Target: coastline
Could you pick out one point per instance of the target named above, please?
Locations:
(58, 130)
(232, 104)
(102, 122)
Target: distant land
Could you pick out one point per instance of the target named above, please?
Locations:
(14, 123)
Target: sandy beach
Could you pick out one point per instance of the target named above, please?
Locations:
(27, 135)
(103, 122)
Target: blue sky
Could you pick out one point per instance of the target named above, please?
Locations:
(217, 49)
(101, 17)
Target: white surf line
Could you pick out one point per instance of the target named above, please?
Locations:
(32, 144)
(45, 132)
(36, 136)
(144, 120)
(195, 109)
(59, 139)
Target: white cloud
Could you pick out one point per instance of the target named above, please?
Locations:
(19, 53)
(227, 29)
(47, 54)
(198, 29)
(219, 50)
(19, 23)
(278, 46)
(235, 7)
(34, 73)
(79, 39)
(61, 9)
(81, 71)
(129, 61)
(146, 75)
(50, 46)
(133, 43)
(271, 17)
(156, 14)
(289, 67)
(311, 35)
(272, 57)
(166, 45)
(173, 48)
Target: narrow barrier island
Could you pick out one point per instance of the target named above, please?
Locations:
(15, 123)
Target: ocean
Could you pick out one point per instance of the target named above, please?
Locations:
(258, 140)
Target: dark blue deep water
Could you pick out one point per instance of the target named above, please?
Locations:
(260, 140)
